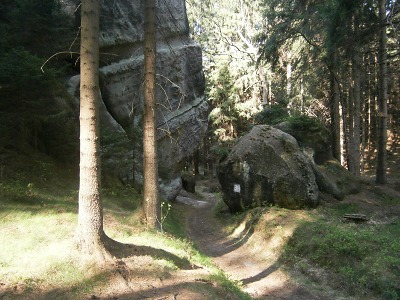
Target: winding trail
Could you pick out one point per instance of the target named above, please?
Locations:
(238, 256)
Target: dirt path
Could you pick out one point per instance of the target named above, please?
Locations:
(260, 274)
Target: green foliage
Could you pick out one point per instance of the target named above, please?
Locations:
(223, 97)
(20, 73)
(339, 15)
(230, 285)
(233, 81)
(174, 224)
(299, 125)
(31, 118)
(220, 150)
(32, 24)
(310, 133)
(304, 35)
(305, 123)
(342, 209)
(35, 180)
(365, 259)
(272, 115)
(308, 130)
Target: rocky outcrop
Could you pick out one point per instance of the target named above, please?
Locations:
(314, 140)
(312, 136)
(288, 167)
(332, 178)
(267, 167)
(181, 110)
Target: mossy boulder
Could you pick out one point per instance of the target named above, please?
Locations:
(188, 182)
(314, 140)
(267, 167)
(313, 137)
(334, 179)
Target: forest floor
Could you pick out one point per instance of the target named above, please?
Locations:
(253, 265)
(238, 257)
(253, 261)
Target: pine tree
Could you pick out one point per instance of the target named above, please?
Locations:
(151, 203)
(90, 234)
(382, 99)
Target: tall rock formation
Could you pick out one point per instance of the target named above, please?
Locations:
(182, 108)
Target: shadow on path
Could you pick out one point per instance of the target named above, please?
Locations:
(207, 234)
(127, 250)
(261, 275)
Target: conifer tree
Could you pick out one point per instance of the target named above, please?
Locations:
(90, 234)
(382, 99)
(151, 203)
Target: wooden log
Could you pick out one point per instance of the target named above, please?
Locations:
(356, 218)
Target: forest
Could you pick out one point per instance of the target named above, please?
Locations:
(197, 149)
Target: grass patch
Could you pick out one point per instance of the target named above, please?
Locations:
(388, 200)
(174, 223)
(38, 218)
(36, 230)
(220, 208)
(361, 259)
(230, 221)
(229, 285)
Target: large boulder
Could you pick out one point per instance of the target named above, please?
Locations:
(182, 109)
(313, 137)
(332, 178)
(267, 167)
(314, 141)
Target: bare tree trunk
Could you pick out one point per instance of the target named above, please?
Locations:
(1, 167)
(367, 110)
(382, 114)
(357, 114)
(90, 234)
(354, 112)
(151, 203)
(335, 115)
(264, 86)
(364, 114)
(271, 102)
(350, 125)
(372, 107)
(196, 162)
(344, 138)
(289, 84)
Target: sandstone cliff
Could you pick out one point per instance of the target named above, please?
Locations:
(182, 108)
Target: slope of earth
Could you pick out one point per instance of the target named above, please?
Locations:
(249, 246)
(38, 214)
(254, 265)
(38, 258)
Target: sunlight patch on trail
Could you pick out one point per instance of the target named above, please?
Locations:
(191, 202)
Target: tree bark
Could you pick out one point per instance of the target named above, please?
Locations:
(264, 85)
(335, 114)
(357, 115)
(196, 162)
(289, 84)
(151, 203)
(381, 176)
(90, 234)
(350, 124)
(344, 138)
